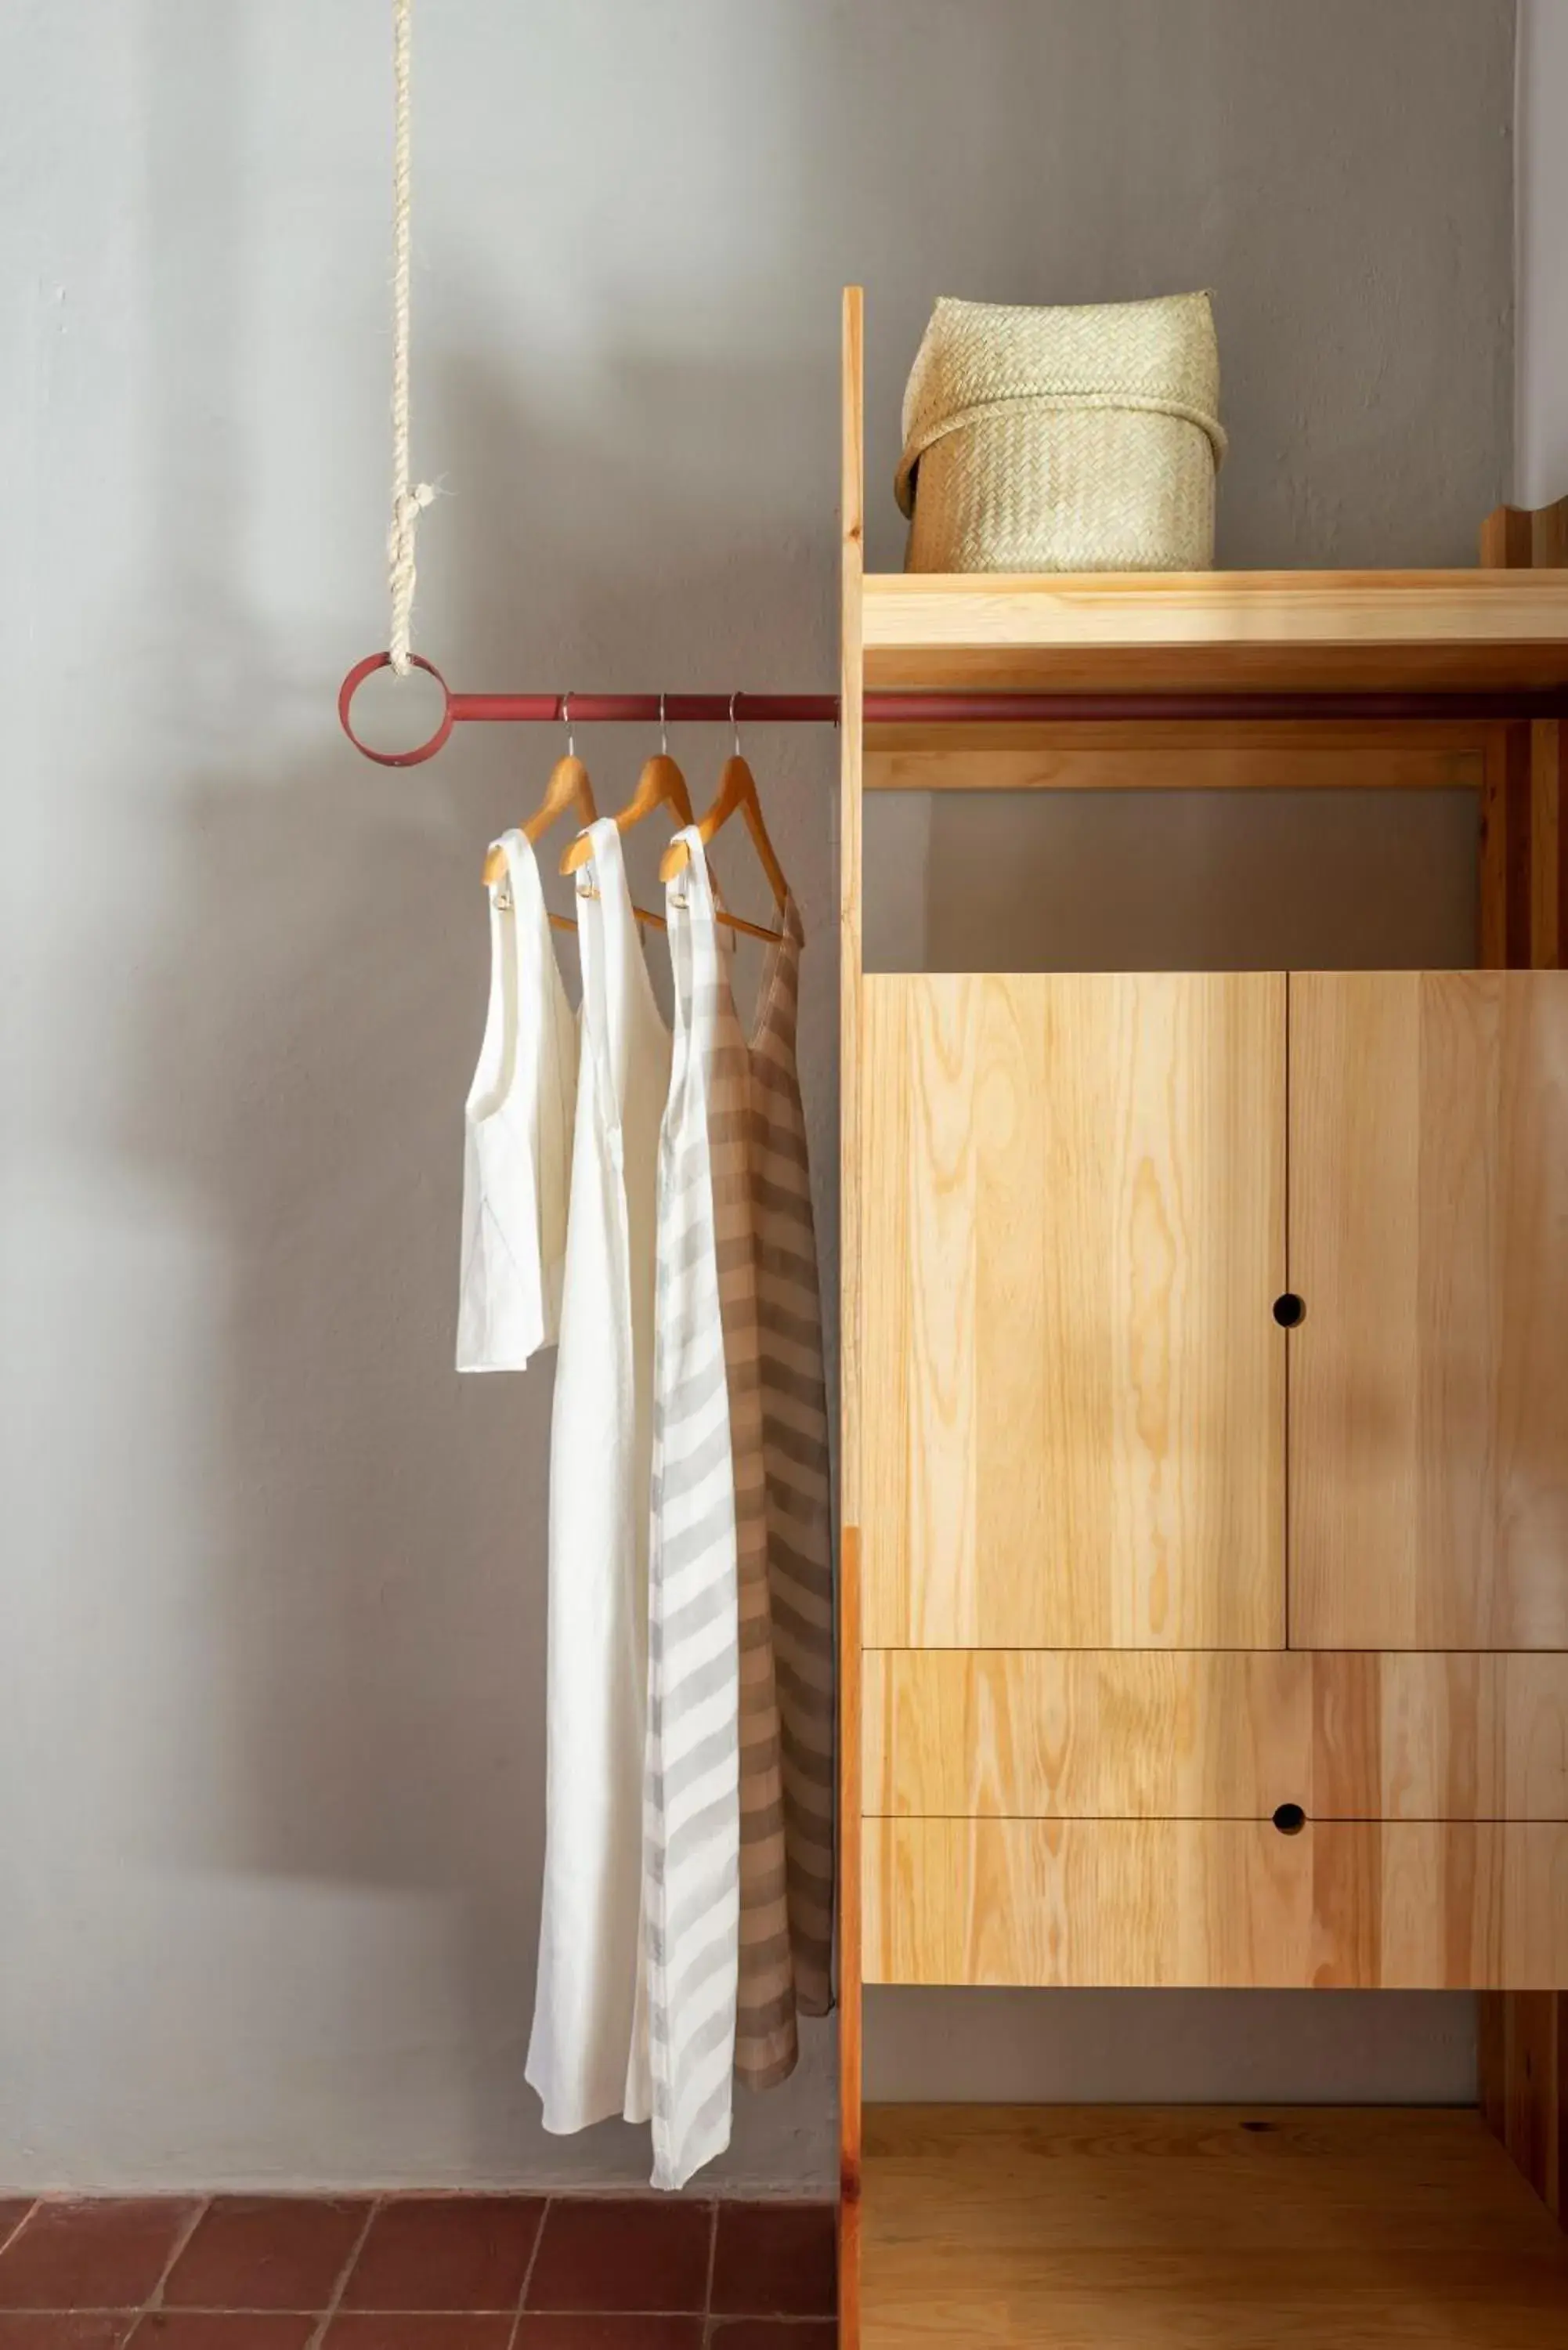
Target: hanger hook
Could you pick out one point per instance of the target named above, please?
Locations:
(663, 729)
(734, 721)
(567, 723)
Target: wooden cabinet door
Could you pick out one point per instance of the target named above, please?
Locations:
(1072, 1380)
(1429, 1239)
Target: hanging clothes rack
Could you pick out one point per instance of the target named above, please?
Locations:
(889, 709)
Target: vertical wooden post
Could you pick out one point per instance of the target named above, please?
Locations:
(1523, 2035)
(852, 681)
(1507, 867)
(1547, 845)
(1524, 847)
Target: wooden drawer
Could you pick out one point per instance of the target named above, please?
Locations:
(1227, 1903)
(1135, 1734)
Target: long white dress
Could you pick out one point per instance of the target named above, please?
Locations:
(517, 1134)
(587, 2057)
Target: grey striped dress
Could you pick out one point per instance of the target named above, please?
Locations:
(720, 1984)
(797, 1465)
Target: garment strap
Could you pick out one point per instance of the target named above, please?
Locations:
(492, 1070)
(691, 902)
(521, 878)
(539, 987)
(605, 918)
(677, 930)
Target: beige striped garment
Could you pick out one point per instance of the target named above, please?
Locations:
(720, 1984)
(798, 1467)
(766, 2044)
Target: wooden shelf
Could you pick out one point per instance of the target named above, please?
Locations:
(1201, 631)
(1140, 2228)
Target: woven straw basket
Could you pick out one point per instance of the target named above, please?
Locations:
(1062, 439)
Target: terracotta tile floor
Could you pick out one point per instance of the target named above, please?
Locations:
(415, 2272)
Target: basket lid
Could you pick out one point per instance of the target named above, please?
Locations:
(977, 357)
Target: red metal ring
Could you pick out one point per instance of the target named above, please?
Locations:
(350, 687)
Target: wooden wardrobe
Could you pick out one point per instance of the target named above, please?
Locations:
(1204, 1606)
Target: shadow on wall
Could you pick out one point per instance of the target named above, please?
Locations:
(1174, 2047)
(1177, 880)
(375, 1707)
(368, 1625)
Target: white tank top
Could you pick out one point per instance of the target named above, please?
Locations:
(517, 1154)
(588, 2055)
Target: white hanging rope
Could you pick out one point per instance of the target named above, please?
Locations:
(406, 501)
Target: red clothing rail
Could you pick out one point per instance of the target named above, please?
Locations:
(924, 709)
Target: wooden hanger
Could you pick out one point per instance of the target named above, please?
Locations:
(568, 787)
(737, 790)
(662, 784)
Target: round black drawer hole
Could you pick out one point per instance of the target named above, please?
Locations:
(1290, 1819)
(1289, 1310)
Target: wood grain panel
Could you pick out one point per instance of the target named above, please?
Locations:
(1073, 1237)
(1522, 2036)
(1195, 755)
(1508, 810)
(1522, 2050)
(847, 1904)
(852, 459)
(1209, 630)
(1429, 1413)
(1086, 1734)
(1113, 1734)
(1413, 1736)
(852, 531)
(1548, 844)
(1514, 538)
(1522, 538)
(1197, 2228)
(1163, 1903)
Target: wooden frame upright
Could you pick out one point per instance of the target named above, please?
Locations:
(852, 560)
(1523, 2035)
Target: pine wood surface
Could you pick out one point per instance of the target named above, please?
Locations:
(1523, 538)
(1522, 2036)
(1227, 1904)
(1507, 855)
(1196, 2227)
(1548, 750)
(1523, 2064)
(1428, 1236)
(852, 511)
(1073, 1237)
(1194, 755)
(1144, 1734)
(1210, 630)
